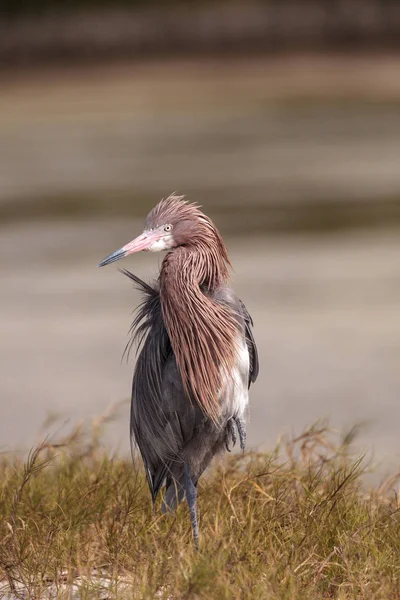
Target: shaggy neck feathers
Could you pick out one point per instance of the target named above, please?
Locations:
(202, 331)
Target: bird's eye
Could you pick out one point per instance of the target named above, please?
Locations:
(167, 227)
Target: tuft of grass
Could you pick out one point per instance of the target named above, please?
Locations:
(296, 523)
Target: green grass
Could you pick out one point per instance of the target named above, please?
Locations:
(296, 523)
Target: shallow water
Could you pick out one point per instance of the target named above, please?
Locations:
(326, 316)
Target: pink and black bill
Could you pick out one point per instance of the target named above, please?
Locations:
(143, 242)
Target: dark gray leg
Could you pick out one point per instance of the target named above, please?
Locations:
(230, 434)
(242, 432)
(191, 498)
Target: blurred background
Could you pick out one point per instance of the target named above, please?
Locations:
(280, 117)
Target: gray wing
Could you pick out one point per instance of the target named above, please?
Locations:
(251, 344)
(162, 424)
(163, 421)
(227, 296)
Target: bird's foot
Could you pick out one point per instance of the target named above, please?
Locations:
(241, 427)
(230, 434)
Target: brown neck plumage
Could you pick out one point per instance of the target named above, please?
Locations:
(202, 331)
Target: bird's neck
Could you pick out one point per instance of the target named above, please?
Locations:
(205, 263)
(202, 331)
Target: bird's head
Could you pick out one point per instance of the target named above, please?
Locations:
(172, 222)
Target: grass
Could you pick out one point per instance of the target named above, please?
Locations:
(296, 523)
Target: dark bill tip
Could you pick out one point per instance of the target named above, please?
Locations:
(113, 257)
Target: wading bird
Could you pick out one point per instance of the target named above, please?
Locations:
(197, 358)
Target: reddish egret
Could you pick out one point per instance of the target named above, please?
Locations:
(198, 355)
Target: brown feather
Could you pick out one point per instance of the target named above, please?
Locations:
(202, 331)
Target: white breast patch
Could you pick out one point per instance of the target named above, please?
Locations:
(235, 395)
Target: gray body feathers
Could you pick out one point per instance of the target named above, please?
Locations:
(169, 428)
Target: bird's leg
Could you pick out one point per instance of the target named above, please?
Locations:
(191, 498)
(230, 434)
(242, 432)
